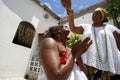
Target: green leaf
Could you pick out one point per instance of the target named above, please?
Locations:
(73, 39)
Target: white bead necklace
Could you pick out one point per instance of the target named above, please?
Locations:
(99, 56)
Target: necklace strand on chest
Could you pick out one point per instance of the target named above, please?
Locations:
(97, 48)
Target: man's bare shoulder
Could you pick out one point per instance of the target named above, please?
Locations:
(48, 42)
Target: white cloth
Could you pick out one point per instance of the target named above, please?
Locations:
(76, 74)
(91, 58)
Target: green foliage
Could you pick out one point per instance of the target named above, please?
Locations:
(114, 8)
(73, 39)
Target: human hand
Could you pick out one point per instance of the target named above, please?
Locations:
(66, 3)
(81, 46)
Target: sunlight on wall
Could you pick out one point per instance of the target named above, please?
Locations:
(35, 21)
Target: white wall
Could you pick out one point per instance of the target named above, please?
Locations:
(11, 64)
(29, 10)
(14, 58)
(86, 19)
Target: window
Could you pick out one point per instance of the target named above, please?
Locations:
(32, 69)
(24, 34)
(34, 64)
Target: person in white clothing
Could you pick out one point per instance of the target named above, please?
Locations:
(104, 53)
(58, 61)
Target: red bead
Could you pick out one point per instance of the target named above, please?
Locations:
(63, 60)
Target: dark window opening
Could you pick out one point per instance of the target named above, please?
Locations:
(25, 34)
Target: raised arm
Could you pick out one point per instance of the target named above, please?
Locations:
(51, 61)
(73, 28)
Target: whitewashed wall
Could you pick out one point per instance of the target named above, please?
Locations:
(86, 19)
(14, 58)
(31, 12)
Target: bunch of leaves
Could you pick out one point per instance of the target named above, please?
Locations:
(73, 39)
(114, 8)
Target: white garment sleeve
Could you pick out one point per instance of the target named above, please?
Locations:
(87, 30)
(77, 74)
(85, 27)
(113, 28)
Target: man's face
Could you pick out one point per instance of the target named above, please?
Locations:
(63, 31)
